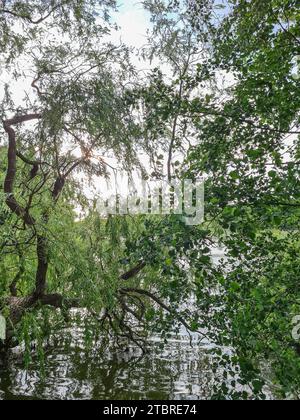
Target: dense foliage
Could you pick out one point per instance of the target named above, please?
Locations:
(222, 104)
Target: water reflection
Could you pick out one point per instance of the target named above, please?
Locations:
(176, 372)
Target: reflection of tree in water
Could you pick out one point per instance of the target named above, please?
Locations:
(177, 371)
(125, 376)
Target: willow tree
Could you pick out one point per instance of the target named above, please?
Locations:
(77, 109)
(243, 137)
(63, 109)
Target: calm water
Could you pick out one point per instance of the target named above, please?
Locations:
(177, 371)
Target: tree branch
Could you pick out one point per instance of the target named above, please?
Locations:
(58, 301)
(134, 271)
(11, 202)
(160, 303)
(28, 17)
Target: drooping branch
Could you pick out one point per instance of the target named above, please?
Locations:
(148, 294)
(126, 331)
(11, 201)
(34, 163)
(160, 303)
(28, 161)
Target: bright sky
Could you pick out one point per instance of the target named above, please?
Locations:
(133, 21)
